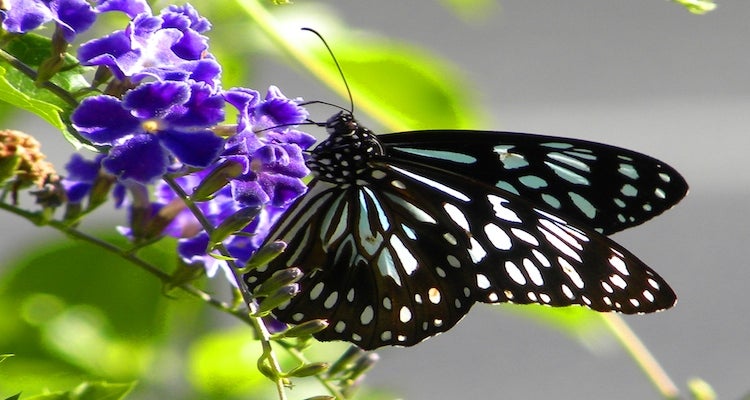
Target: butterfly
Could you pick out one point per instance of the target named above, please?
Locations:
(400, 234)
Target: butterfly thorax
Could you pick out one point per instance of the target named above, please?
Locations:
(343, 157)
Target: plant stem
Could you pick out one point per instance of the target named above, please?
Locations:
(257, 322)
(642, 356)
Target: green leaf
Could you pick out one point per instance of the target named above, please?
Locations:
(14, 397)
(697, 6)
(91, 391)
(22, 92)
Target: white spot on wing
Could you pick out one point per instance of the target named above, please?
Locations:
(502, 212)
(571, 272)
(497, 237)
(533, 272)
(515, 273)
(435, 185)
(482, 282)
(404, 315)
(404, 255)
(457, 216)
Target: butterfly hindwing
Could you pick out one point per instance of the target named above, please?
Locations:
(607, 187)
(509, 249)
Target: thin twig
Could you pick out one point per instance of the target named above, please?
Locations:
(642, 356)
(262, 331)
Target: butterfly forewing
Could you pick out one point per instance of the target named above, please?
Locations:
(606, 187)
(399, 235)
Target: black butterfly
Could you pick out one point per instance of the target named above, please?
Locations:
(400, 234)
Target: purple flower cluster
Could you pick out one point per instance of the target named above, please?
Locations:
(159, 116)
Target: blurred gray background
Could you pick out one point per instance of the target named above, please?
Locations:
(641, 74)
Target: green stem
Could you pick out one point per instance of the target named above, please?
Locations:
(262, 331)
(320, 71)
(642, 356)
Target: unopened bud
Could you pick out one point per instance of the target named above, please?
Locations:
(349, 357)
(216, 180)
(233, 224)
(308, 370)
(364, 364)
(277, 280)
(264, 255)
(280, 297)
(305, 328)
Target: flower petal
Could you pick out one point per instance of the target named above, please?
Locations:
(102, 120)
(197, 149)
(140, 158)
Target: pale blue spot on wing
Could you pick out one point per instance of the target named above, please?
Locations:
(584, 205)
(628, 170)
(619, 202)
(381, 214)
(510, 160)
(581, 153)
(507, 187)
(557, 145)
(569, 161)
(532, 181)
(440, 154)
(629, 190)
(409, 232)
(567, 174)
(551, 200)
(387, 267)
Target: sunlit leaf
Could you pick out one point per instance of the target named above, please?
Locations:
(22, 92)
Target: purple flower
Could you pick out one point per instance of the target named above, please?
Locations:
(129, 7)
(72, 16)
(168, 47)
(81, 176)
(272, 159)
(153, 125)
(273, 166)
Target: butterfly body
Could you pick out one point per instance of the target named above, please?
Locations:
(400, 234)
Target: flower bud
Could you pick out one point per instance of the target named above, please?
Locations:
(305, 328)
(233, 224)
(363, 364)
(277, 280)
(216, 180)
(278, 298)
(264, 255)
(308, 370)
(349, 357)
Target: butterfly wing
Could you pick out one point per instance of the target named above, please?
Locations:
(608, 188)
(403, 254)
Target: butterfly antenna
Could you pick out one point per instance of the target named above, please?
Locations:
(338, 66)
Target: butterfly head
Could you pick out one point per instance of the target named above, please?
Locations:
(342, 124)
(345, 154)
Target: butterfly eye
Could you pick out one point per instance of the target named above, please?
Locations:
(400, 234)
